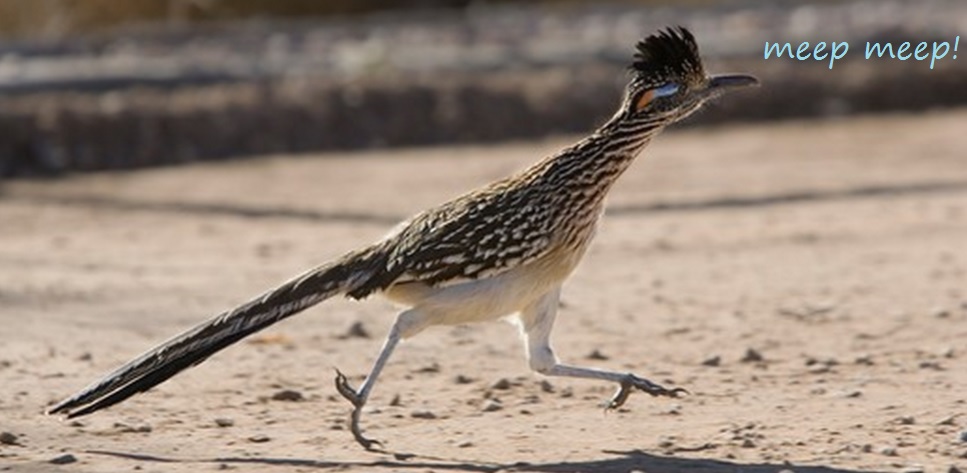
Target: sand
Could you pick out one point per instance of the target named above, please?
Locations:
(805, 281)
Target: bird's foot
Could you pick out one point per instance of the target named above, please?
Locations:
(632, 382)
(350, 394)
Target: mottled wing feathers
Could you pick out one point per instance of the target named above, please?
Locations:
(478, 235)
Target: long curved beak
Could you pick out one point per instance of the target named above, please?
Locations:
(726, 82)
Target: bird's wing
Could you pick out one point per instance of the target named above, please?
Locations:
(475, 236)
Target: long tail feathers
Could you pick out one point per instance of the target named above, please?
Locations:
(194, 346)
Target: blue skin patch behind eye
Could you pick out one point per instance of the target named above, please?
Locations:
(666, 90)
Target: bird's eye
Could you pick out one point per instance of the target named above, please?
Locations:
(651, 94)
(666, 90)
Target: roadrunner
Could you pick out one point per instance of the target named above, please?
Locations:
(504, 249)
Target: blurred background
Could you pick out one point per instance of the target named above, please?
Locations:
(113, 84)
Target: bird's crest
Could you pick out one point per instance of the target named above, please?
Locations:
(667, 54)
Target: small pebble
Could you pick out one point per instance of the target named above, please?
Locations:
(431, 368)
(597, 355)
(122, 427)
(422, 415)
(748, 443)
(941, 313)
(289, 395)
(86, 356)
(465, 444)
(224, 422)
(953, 469)
(492, 405)
(963, 435)
(8, 438)
(462, 379)
(751, 356)
(501, 384)
(63, 459)
(356, 330)
(713, 361)
(889, 451)
(396, 401)
(949, 420)
(906, 420)
(865, 360)
(260, 438)
(546, 386)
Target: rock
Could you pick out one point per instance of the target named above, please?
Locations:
(713, 361)
(8, 438)
(224, 422)
(122, 427)
(492, 405)
(502, 384)
(751, 356)
(596, 355)
(356, 330)
(465, 444)
(889, 451)
(396, 401)
(865, 360)
(259, 438)
(906, 420)
(423, 415)
(63, 459)
(963, 435)
(431, 368)
(546, 386)
(748, 443)
(288, 395)
(462, 379)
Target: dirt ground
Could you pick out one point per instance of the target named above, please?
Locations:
(807, 282)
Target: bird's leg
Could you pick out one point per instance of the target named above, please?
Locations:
(631, 382)
(407, 323)
(538, 319)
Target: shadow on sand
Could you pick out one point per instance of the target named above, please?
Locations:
(613, 462)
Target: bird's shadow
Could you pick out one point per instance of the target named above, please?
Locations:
(615, 461)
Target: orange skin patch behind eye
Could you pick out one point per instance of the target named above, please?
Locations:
(644, 99)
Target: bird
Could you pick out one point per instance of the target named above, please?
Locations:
(502, 250)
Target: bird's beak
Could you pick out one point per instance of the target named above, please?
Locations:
(726, 82)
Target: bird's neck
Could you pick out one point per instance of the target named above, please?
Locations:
(596, 162)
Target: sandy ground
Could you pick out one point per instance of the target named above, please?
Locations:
(836, 252)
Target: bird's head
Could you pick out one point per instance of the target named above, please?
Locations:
(668, 80)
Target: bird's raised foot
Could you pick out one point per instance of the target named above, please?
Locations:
(350, 394)
(347, 391)
(631, 382)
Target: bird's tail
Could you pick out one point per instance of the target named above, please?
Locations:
(194, 346)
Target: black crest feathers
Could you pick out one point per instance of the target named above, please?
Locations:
(669, 53)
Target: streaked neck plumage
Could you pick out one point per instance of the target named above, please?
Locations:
(596, 162)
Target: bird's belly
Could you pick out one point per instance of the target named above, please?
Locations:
(491, 297)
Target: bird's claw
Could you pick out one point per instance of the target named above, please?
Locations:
(347, 391)
(350, 394)
(632, 382)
